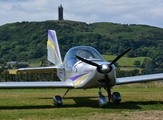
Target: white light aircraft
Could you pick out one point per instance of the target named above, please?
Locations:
(83, 67)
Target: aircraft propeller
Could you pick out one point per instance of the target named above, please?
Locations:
(105, 69)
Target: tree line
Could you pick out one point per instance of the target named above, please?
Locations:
(5, 76)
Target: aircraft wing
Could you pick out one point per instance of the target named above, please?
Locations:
(17, 85)
(140, 78)
(39, 69)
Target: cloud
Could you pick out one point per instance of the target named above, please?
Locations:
(125, 12)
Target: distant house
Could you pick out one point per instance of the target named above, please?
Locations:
(12, 63)
(19, 64)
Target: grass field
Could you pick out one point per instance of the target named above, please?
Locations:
(34, 63)
(12, 71)
(139, 101)
(124, 61)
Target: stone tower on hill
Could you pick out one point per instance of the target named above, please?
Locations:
(60, 12)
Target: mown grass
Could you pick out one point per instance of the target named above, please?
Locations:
(79, 104)
(34, 63)
(13, 71)
(124, 61)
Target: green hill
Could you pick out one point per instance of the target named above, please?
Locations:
(23, 41)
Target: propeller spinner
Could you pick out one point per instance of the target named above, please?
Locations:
(105, 69)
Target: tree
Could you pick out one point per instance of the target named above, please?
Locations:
(149, 66)
(137, 63)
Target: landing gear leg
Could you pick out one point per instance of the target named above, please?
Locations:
(65, 93)
(102, 99)
(58, 99)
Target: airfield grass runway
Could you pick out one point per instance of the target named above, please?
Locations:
(143, 101)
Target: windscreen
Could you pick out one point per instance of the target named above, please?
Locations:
(86, 52)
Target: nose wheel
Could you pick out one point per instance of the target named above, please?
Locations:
(102, 99)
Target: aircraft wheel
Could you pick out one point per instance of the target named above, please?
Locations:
(116, 97)
(57, 101)
(102, 101)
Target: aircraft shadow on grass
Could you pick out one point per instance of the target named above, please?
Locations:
(89, 102)
(86, 102)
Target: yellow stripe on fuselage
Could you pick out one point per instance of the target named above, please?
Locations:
(80, 79)
(52, 46)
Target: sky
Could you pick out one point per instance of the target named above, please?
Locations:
(147, 12)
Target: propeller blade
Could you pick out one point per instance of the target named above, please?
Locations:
(119, 56)
(88, 62)
(108, 89)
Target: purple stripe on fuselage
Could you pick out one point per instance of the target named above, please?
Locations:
(76, 77)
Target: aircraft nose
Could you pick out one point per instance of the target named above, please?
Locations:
(105, 68)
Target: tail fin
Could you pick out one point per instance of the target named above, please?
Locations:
(54, 55)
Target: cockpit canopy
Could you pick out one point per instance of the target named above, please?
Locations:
(86, 52)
